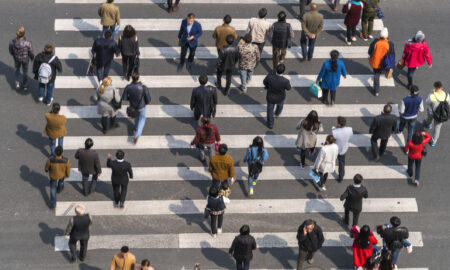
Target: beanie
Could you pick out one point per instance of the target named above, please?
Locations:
(419, 37)
(384, 33)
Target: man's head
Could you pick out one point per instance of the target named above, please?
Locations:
(223, 148)
(341, 121)
(262, 13)
(58, 151)
(56, 107)
(79, 210)
(203, 79)
(227, 19)
(48, 49)
(357, 179)
(135, 76)
(190, 18)
(124, 250)
(120, 154)
(248, 38)
(109, 1)
(244, 230)
(387, 109)
(309, 225)
(20, 32)
(313, 7)
(88, 143)
(438, 86)
(282, 16)
(108, 34)
(229, 39)
(281, 68)
(395, 221)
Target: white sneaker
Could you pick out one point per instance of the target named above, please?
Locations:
(219, 230)
(371, 36)
(41, 99)
(409, 249)
(324, 188)
(349, 43)
(353, 38)
(395, 267)
(250, 192)
(51, 101)
(417, 184)
(214, 235)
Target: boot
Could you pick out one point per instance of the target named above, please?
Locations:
(104, 124)
(410, 81)
(113, 123)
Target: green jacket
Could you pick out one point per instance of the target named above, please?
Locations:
(368, 8)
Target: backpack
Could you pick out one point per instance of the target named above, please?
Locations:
(256, 165)
(440, 114)
(397, 243)
(45, 71)
(389, 59)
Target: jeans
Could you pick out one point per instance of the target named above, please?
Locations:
(437, 127)
(376, 79)
(355, 217)
(279, 55)
(418, 163)
(128, 65)
(228, 73)
(341, 162)
(302, 256)
(139, 122)
(56, 186)
(49, 86)
(307, 53)
(367, 24)
(411, 123)
(325, 95)
(270, 108)
(216, 222)
(242, 265)
(24, 65)
(209, 149)
(84, 183)
(111, 27)
(411, 72)
(246, 75)
(53, 144)
(102, 71)
(251, 178)
(73, 247)
(260, 47)
(216, 183)
(120, 192)
(374, 144)
(184, 52)
(394, 253)
(303, 154)
(351, 32)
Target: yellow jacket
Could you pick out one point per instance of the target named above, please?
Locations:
(220, 35)
(120, 263)
(109, 14)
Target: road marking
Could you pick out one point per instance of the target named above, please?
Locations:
(174, 24)
(204, 240)
(319, 2)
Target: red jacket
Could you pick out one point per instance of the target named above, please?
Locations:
(361, 254)
(414, 54)
(201, 136)
(353, 14)
(415, 150)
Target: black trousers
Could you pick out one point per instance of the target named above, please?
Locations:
(325, 96)
(351, 32)
(73, 247)
(228, 73)
(260, 47)
(303, 4)
(355, 217)
(303, 154)
(323, 178)
(341, 162)
(120, 192)
(128, 65)
(374, 143)
(302, 256)
(216, 222)
(86, 189)
(184, 50)
(170, 3)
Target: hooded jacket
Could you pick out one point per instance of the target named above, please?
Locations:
(415, 53)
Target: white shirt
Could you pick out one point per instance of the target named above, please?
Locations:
(189, 27)
(342, 136)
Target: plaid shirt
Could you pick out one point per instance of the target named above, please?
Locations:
(21, 50)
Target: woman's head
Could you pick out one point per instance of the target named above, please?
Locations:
(145, 264)
(205, 120)
(244, 230)
(213, 191)
(225, 185)
(258, 142)
(386, 262)
(417, 137)
(419, 36)
(334, 56)
(370, 263)
(106, 82)
(330, 139)
(129, 31)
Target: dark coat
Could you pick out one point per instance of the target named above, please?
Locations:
(88, 161)
(44, 58)
(276, 86)
(383, 126)
(393, 235)
(311, 241)
(242, 248)
(228, 57)
(353, 14)
(129, 46)
(353, 197)
(80, 227)
(133, 93)
(120, 171)
(196, 31)
(201, 100)
(104, 50)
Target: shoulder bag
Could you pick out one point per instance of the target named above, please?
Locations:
(256, 166)
(116, 105)
(378, 10)
(133, 112)
(213, 105)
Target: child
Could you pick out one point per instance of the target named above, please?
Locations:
(225, 189)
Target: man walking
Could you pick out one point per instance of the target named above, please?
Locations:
(203, 99)
(409, 108)
(281, 35)
(438, 103)
(258, 29)
(310, 239)
(302, 6)
(378, 49)
(78, 230)
(222, 31)
(103, 50)
(276, 86)
(88, 164)
(123, 260)
(342, 134)
(121, 171)
(249, 56)
(312, 25)
(221, 166)
(58, 168)
(228, 57)
(45, 65)
(353, 197)
(242, 248)
(22, 51)
(381, 128)
(394, 238)
(190, 32)
(110, 17)
(138, 96)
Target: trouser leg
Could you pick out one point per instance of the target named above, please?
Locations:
(220, 221)
(418, 163)
(410, 167)
(270, 108)
(84, 183)
(192, 54)
(376, 80)
(347, 216)
(279, 108)
(104, 123)
(303, 40)
(116, 192)
(323, 178)
(437, 131)
(219, 77)
(301, 258)
(276, 57)
(383, 145)
(374, 146)
(355, 218)
(364, 25)
(123, 192)
(311, 44)
(213, 224)
(333, 96)
(302, 155)
(349, 33)
(94, 183)
(73, 248)
(228, 73)
(83, 248)
(325, 96)
(53, 192)
(341, 161)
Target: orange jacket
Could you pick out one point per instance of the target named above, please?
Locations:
(377, 51)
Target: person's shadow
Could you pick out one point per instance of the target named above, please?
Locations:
(194, 178)
(278, 248)
(48, 235)
(8, 73)
(188, 204)
(168, 104)
(212, 254)
(34, 138)
(318, 204)
(37, 180)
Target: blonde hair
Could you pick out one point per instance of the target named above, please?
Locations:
(106, 82)
(20, 32)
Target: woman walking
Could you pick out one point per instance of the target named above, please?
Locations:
(216, 208)
(255, 156)
(330, 74)
(415, 150)
(129, 48)
(307, 135)
(107, 94)
(415, 53)
(55, 128)
(242, 248)
(363, 245)
(353, 9)
(205, 139)
(326, 160)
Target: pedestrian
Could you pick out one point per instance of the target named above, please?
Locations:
(129, 49)
(22, 51)
(255, 156)
(312, 25)
(106, 95)
(386, 262)
(249, 56)
(139, 97)
(222, 31)
(110, 17)
(378, 49)
(45, 66)
(204, 99)
(307, 135)
(221, 167)
(393, 239)
(368, 16)
(88, 164)
(415, 149)
(281, 35)
(228, 57)
(190, 32)
(258, 29)
(78, 230)
(58, 168)
(330, 76)
(121, 171)
(326, 160)
(145, 265)
(353, 10)
(364, 244)
(55, 128)
(103, 50)
(123, 260)
(216, 208)
(302, 6)
(415, 53)
(382, 127)
(276, 86)
(206, 138)
(353, 196)
(409, 109)
(172, 7)
(310, 239)
(242, 248)
(342, 134)
(438, 103)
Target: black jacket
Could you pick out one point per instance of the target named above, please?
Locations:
(383, 126)
(228, 57)
(311, 241)
(120, 171)
(44, 58)
(201, 100)
(394, 237)
(104, 50)
(276, 86)
(129, 46)
(242, 248)
(281, 36)
(88, 161)
(80, 227)
(133, 93)
(353, 197)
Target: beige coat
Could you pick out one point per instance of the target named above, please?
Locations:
(306, 138)
(109, 14)
(55, 127)
(120, 263)
(326, 160)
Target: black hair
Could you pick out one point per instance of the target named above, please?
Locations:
(357, 179)
(312, 121)
(414, 90)
(262, 13)
(206, 125)
(370, 263)
(145, 262)
(191, 15)
(223, 148)
(56, 107)
(395, 221)
(334, 56)
(229, 39)
(88, 143)
(330, 139)
(437, 84)
(387, 109)
(258, 142)
(363, 236)
(48, 49)
(129, 31)
(309, 222)
(341, 121)
(109, 1)
(281, 68)
(203, 79)
(58, 150)
(386, 262)
(135, 76)
(244, 230)
(417, 137)
(124, 249)
(225, 185)
(108, 34)
(213, 191)
(120, 154)
(227, 19)
(248, 38)
(282, 16)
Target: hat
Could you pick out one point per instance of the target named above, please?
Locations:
(384, 33)
(419, 37)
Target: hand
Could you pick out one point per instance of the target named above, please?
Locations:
(98, 175)
(423, 133)
(305, 231)
(190, 38)
(230, 254)
(357, 228)
(345, 77)
(313, 36)
(430, 66)
(109, 156)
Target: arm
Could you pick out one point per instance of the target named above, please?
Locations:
(253, 244)
(30, 51)
(147, 97)
(344, 195)
(196, 138)
(320, 236)
(421, 106)
(11, 48)
(320, 28)
(214, 36)
(366, 194)
(130, 171)
(200, 31)
(180, 32)
(36, 64)
(299, 125)
(193, 100)
(68, 169)
(428, 54)
(305, 29)
(372, 47)
(215, 96)
(138, 52)
(249, 27)
(69, 227)
(343, 70)
(47, 165)
(247, 155)
(319, 159)
(265, 156)
(231, 171)
(118, 16)
(113, 264)
(97, 165)
(426, 138)
(77, 154)
(373, 126)
(99, 11)
(394, 125)
(217, 133)
(58, 65)
(407, 147)
(402, 107)
(232, 248)
(321, 73)
(266, 81)
(288, 85)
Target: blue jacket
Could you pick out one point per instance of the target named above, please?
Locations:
(330, 79)
(196, 31)
(250, 156)
(104, 50)
(411, 106)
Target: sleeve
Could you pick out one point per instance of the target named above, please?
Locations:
(215, 96)
(373, 126)
(320, 27)
(407, 146)
(113, 264)
(11, 48)
(320, 236)
(130, 171)
(108, 163)
(233, 247)
(253, 243)
(401, 108)
(147, 98)
(36, 63)
(394, 125)
(200, 31)
(288, 85)
(247, 155)
(372, 47)
(373, 240)
(235, 34)
(321, 73)
(58, 65)
(180, 32)
(231, 171)
(265, 156)
(426, 139)
(344, 195)
(217, 133)
(99, 11)
(427, 54)
(125, 94)
(366, 193)
(47, 165)
(193, 99)
(68, 169)
(319, 158)
(69, 227)
(421, 106)
(30, 51)
(210, 167)
(118, 16)
(196, 138)
(304, 28)
(266, 81)
(300, 236)
(214, 35)
(138, 51)
(249, 27)
(98, 166)
(94, 46)
(343, 70)
(299, 124)
(77, 154)
(271, 33)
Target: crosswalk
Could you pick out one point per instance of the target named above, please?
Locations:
(176, 215)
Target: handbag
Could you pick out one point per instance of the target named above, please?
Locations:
(315, 90)
(345, 7)
(256, 166)
(206, 213)
(116, 105)
(314, 176)
(401, 64)
(380, 14)
(213, 105)
(133, 112)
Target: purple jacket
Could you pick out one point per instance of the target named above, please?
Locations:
(21, 50)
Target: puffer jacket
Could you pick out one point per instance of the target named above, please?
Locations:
(228, 57)
(377, 51)
(414, 54)
(21, 50)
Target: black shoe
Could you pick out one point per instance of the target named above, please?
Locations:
(309, 59)
(188, 65)
(122, 205)
(180, 67)
(270, 127)
(82, 259)
(73, 259)
(226, 92)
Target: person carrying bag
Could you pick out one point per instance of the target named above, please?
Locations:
(255, 156)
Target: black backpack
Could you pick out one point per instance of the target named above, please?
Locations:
(256, 166)
(440, 114)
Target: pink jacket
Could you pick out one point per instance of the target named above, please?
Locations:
(415, 54)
